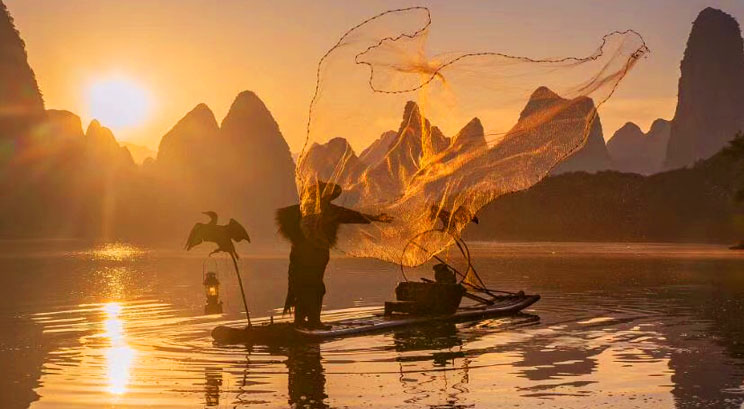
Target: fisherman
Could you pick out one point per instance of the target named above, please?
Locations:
(312, 236)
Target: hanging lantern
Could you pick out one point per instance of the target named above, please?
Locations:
(212, 290)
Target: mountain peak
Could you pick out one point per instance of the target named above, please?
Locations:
(201, 114)
(628, 132)
(334, 160)
(188, 139)
(94, 126)
(714, 24)
(627, 128)
(538, 113)
(377, 150)
(338, 142)
(658, 125)
(103, 148)
(252, 142)
(248, 101)
(411, 108)
(474, 124)
(67, 122)
(716, 14)
(20, 98)
(471, 135)
(99, 134)
(413, 127)
(540, 98)
(543, 92)
(249, 113)
(247, 95)
(634, 151)
(225, 168)
(201, 109)
(710, 91)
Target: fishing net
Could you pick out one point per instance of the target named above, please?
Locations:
(429, 138)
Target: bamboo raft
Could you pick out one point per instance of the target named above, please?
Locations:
(285, 333)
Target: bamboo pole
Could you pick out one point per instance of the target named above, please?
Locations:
(242, 291)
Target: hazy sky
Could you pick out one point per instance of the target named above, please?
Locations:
(184, 52)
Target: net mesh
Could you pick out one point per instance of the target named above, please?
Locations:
(429, 138)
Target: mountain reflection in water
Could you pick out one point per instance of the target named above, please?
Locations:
(618, 325)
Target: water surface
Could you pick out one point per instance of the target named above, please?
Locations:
(619, 326)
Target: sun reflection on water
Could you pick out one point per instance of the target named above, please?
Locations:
(114, 252)
(119, 355)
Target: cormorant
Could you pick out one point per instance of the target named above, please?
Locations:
(222, 235)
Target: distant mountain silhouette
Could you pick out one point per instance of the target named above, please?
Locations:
(592, 157)
(469, 139)
(377, 150)
(62, 136)
(105, 184)
(21, 104)
(256, 170)
(139, 153)
(184, 150)
(21, 109)
(180, 182)
(711, 90)
(397, 159)
(242, 168)
(334, 160)
(406, 153)
(633, 151)
(45, 172)
(103, 150)
(41, 152)
(61, 181)
(693, 205)
(471, 136)
(63, 126)
(391, 161)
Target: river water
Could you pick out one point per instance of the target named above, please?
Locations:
(619, 325)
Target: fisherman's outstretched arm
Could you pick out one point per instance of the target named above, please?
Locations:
(349, 216)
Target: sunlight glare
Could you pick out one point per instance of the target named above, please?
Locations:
(118, 102)
(114, 252)
(119, 355)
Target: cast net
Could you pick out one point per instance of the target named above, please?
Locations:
(430, 138)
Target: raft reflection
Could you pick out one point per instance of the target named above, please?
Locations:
(212, 385)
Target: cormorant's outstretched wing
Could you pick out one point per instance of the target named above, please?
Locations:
(237, 231)
(196, 236)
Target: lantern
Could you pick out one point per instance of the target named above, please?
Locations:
(212, 290)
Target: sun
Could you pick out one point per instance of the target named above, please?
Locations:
(118, 102)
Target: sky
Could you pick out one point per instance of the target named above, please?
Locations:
(184, 52)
